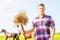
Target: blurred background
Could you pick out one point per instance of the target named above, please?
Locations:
(9, 8)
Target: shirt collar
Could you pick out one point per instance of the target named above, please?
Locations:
(42, 17)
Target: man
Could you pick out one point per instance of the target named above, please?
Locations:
(43, 23)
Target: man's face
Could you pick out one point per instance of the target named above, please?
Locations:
(41, 9)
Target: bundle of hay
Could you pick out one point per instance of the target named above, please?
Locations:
(21, 18)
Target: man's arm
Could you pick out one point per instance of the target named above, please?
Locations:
(52, 32)
(31, 30)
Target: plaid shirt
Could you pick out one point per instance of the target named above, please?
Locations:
(43, 26)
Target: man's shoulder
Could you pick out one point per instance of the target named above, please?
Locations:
(48, 16)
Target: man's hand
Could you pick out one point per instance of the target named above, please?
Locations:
(51, 38)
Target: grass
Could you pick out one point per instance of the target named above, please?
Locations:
(57, 37)
(21, 37)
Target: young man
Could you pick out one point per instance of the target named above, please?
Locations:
(43, 23)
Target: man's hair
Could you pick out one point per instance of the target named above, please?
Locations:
(41, 5)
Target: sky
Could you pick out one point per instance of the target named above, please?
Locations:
(9, 8)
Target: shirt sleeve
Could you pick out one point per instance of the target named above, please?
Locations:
(51, 22)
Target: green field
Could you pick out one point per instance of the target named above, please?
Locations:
(56, 37)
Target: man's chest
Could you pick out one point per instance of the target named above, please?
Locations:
(42, 22)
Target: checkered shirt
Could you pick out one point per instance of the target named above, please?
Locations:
(43, 26)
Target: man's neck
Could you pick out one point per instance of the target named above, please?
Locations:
(41, 15)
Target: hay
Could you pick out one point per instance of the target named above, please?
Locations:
(21, 18)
